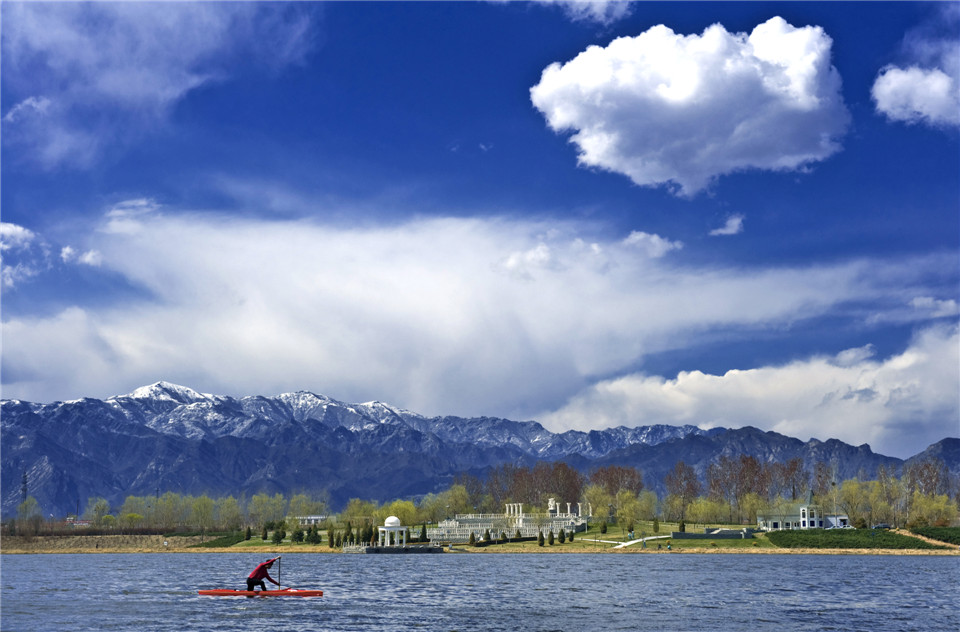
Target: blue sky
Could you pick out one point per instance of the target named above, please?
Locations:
(588, 214)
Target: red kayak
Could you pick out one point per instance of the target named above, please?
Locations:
(284, 592)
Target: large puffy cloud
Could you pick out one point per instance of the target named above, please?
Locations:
(927, 90)
(82, 75)
(455, 316)
(663, 108)
(899, 404)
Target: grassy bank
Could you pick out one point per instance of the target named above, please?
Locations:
(593, 541)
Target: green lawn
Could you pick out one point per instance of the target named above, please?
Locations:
(950, 535)
(846, 539)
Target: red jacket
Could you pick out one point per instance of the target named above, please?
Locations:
(260, 572)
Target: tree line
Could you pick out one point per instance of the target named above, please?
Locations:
(731, 491)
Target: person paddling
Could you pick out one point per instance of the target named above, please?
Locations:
(260, 573)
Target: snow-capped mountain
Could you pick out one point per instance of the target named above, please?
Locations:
(169, 437)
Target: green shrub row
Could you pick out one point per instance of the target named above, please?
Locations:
(221, 542)
(951, 535)
(846, 539)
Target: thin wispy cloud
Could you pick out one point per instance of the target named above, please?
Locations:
(84, 76)
(604, 12)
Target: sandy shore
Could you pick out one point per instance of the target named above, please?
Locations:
(159, 544)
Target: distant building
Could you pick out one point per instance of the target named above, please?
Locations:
(800, 515)
(514, 519)
(308, 521)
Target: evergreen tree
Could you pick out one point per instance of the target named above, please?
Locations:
(571, 536)
(248, 534)
(682, 528)
(330, 537)
(263, 534)
(550, 538)
(603, 527)
(518, 535)
(486, 535)
(540, 538)
(563, 536)
(423, 533)
(656, 526)
(297, 535)
(473, 539)
(278, 536)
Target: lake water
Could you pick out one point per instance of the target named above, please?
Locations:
(568, 592)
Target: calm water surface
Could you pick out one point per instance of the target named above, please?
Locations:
(485, 592)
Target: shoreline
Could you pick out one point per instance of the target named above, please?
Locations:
(48, 545)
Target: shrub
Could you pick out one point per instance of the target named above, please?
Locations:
(571, 536)
(603, 527)
(517, 536)
(473, 539)
(656, 526)
(297, 535)
(263, 534)
(682, 528)
(550, 538)
(540, 538)
(563, 537)
(248, 534)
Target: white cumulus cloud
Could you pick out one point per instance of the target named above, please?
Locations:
(14, 236)
(733, 226)
(926, 89)
(680, 110)
(654, 246)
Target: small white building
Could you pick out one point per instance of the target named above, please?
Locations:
(800, 515)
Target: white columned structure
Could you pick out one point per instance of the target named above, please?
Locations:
(392, 526)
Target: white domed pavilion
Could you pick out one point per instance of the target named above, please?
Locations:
(392, 526)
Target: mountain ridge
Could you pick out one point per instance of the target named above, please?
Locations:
(166, 437)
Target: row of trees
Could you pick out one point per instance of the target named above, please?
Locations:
(733, 490)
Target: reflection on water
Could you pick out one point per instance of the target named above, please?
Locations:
(485, 592)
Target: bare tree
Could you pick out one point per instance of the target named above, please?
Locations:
(683, 484)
